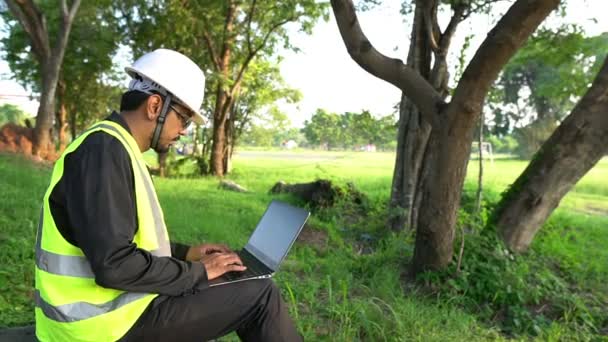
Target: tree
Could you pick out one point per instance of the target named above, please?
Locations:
(49, 55)
(427, 41)
(573, 149)
(323, 129)
(543, 82)
(385, 136)
(11, 113)
(447, 127)
(257, 106)
(225, 37)
(85, 88)
(556, 67)
(349, 130)
(260, 25)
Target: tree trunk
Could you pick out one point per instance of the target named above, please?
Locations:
(412, 137)
(571, 151)
(43, 141)
(162, 163)
(72, 119)
(218, 147)
(49, 59)
(229, 142)
(61, 123)
(195, 145)
(443, 174)
(223, 99)
(480, 175)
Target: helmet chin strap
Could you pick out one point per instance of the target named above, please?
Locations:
(160, 122)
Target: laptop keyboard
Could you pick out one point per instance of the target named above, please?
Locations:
(253, 268)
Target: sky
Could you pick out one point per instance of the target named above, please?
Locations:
(328, 78)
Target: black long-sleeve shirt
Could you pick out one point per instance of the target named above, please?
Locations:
(94, 208)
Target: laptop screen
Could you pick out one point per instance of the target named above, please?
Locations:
(275, 233)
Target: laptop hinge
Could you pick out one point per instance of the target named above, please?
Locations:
(260, 260)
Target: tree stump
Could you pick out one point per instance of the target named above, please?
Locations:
(321, 193)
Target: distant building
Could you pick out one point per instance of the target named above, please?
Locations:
(289, 144)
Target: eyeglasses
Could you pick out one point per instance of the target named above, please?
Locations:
(185, 119)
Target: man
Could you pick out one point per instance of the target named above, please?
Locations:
(105, 269)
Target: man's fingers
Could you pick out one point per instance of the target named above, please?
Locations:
(230, 258)
(224, 248)
(234, 267)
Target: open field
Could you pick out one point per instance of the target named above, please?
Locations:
(340, 286)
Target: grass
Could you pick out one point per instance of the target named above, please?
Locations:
(337, 289)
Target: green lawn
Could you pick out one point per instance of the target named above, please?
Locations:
(335, 292)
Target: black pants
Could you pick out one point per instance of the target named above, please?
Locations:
(253, 308)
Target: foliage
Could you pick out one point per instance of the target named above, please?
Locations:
(531, 137)
(349, 130)
(507, 144)
(523, 294)
(89, 81)
(259, 119)
(13, 114)
(323, 129)
(227, 39)
(257, 109)
(546, 78)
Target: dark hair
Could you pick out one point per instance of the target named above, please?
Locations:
(132, 99)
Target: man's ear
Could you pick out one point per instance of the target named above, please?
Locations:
(154, 105)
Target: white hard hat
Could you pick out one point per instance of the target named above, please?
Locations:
(175, 73)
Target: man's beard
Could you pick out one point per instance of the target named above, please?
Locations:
(162, 149)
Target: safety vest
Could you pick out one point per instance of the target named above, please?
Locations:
(70, 306)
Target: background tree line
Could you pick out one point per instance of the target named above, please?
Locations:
(325, 130)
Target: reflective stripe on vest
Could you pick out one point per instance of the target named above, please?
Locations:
(60, 315)
(74, 312)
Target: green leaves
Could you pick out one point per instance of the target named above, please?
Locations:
(349, 130)
(86, 73)
(11, 113)
(556, 67)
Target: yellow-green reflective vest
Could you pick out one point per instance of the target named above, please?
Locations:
(70, 306)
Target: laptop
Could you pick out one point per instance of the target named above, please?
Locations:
(274, 235)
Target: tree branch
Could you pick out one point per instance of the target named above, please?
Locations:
(74, 9)
(64, 30)
(391, 70)
(428, 23)
(249, 19)
(34, 24)
(500, 45)
(228, 36)
(64, 9)
(478, 8)
(212, 51)
(253, 53)
(446, 36)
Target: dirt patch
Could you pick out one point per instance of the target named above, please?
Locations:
(314, 237)
(19, 139)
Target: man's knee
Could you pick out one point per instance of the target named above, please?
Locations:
(258, 291)
(269, 294)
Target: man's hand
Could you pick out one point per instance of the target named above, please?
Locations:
(196, 253)
(219, 263)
